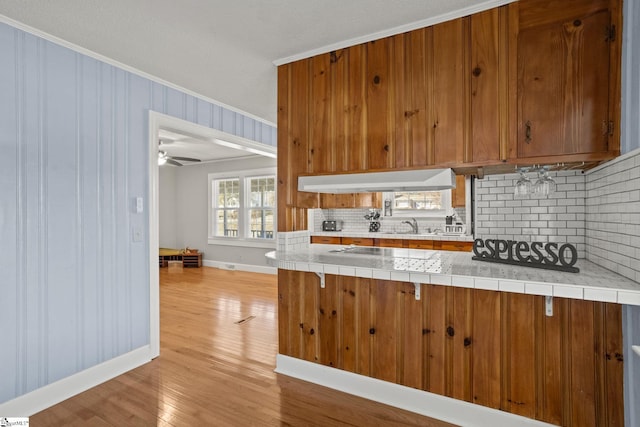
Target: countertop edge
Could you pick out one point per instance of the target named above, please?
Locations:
(624, 296)
(403, 236)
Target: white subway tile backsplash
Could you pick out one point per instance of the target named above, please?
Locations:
(537, 219)
(539, 210)
(612, 216)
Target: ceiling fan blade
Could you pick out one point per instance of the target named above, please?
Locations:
(184, 159)
(173, 162)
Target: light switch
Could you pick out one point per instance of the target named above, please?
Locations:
(139, 204)
(636, 349)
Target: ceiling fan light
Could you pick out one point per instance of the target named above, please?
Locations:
(162, 158)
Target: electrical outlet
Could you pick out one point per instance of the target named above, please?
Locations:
(136, 234)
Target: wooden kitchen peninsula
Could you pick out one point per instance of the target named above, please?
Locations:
(481, 333)
(480, 94)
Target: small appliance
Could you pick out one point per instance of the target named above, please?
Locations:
(332, 225)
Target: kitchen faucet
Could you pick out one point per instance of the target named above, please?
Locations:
(414, 225)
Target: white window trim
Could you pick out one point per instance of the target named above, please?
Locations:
(242, 175)
(423, 213)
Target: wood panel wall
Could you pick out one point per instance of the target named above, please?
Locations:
(490, 348)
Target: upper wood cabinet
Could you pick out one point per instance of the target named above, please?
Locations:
(567, 78)
(349, 200)
(531, 82)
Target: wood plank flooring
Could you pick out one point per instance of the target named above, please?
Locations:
(215, 369)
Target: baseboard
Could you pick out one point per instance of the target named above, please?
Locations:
(410, 399)
(51, 394)
(240, 267)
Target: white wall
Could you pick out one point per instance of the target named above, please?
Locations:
(630, 123)
(190, 210)
(167, 207)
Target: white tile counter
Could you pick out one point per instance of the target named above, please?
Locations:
(458, 269)
(407, 236)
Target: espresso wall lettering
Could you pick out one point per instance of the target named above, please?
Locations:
(537, 254)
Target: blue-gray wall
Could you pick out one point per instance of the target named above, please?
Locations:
(630, 141)
(630, 123)
(74, 288)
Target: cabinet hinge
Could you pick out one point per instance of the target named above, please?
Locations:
(611, 33)
(610, 128)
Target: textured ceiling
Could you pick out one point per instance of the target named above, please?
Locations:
(224, 49)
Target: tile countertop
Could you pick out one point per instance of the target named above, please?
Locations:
(407, 236)
(458, 269)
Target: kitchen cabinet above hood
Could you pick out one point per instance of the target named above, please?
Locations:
(373, 182)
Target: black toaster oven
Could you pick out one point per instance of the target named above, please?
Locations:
(332, 225)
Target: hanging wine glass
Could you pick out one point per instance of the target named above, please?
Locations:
(522, 188)
(545, 185)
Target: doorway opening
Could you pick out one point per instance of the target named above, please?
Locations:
(216, 146)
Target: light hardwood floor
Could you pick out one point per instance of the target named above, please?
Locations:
(215, 370)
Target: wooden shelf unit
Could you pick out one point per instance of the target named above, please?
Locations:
(188, 260)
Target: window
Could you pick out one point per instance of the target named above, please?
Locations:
(420, 203)
(423, 200)
(262, 196)
(242, 207)
(227, 207)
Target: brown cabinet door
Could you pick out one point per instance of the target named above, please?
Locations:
(390, 243)
(379, 114)
(563, 78)
(448, 124)
(320, 127)
(337, 201)
(358, 241)
(351, 200)
(368, 200)
(456, 246)
(489, 83)
(327, 240)
(412, 83)
(420, 244)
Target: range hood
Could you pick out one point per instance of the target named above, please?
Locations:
(373, 182)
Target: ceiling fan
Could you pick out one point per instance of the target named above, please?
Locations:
(164, 158)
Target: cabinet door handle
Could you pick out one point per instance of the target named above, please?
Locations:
(527, 132)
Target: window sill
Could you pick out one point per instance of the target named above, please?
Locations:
(247, 243)
(439, 214)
